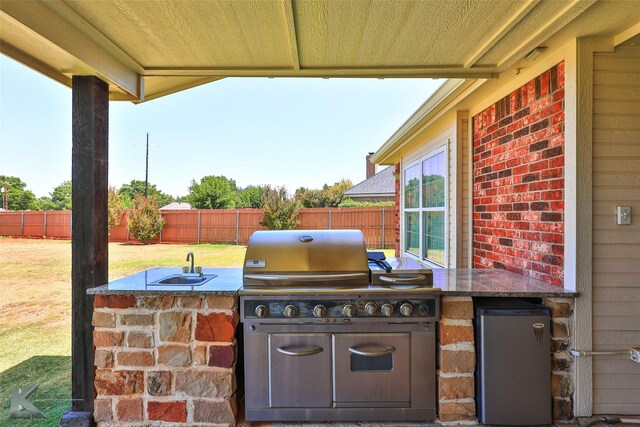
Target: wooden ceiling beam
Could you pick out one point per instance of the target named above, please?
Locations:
(501, 32)
(34, 63)
(627, 34)
(291, 31)
(179, 88)
(41, 20)
(542, 33)
(447, 71)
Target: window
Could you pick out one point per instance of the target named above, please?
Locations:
(425, 208)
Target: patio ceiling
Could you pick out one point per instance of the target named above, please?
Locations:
(147, 49)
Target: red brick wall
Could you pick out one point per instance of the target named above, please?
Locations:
(518, 180)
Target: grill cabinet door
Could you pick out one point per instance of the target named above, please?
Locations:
(372, 370)
(299, 370)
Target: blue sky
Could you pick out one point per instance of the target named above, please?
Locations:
(291, 132)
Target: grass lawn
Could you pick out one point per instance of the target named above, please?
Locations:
(35, 311)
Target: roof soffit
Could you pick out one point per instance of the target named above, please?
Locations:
(613, 22)
(134, 44)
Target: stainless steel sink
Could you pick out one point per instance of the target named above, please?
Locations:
(184, 280)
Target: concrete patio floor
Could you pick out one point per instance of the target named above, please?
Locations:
(579, 421)
(583, 422)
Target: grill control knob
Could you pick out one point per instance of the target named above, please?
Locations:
(262, 311)
(319, 310)
(406, 309)
(349, 310)
(290, 310)
(371, 308)
(387, 309)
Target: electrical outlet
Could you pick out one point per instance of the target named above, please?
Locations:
(623, 215)
(635, 354)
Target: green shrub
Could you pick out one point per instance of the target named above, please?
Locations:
(350, 203)
(145, 222)
(115, 208)
(280, 210)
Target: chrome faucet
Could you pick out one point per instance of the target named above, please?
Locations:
(190, 256)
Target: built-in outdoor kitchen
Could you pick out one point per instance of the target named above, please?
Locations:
(516, 184)
(315, 328)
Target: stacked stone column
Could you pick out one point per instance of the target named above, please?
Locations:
(165, 359)
(457, 361)
(561, 360)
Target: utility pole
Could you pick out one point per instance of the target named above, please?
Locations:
(146, 172)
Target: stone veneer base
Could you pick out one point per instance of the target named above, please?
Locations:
(165, 359)
(170, 360)
(457, 360)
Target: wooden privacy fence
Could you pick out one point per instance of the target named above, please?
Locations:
(230, 226)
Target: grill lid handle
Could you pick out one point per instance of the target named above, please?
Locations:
(372, 350)
(416, 278)
(300, 351)
(305, 277)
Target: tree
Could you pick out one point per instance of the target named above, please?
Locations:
(213, 192)
(115, 208)
(328, 197)
(300, 191)
(145, 222)
(280, 210)
(251, 197)
(45, 204)
(128, 192)
(335, 193)
(61, 197)
(313, 199)
(19, 199)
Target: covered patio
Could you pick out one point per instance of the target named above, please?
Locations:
(142, 51)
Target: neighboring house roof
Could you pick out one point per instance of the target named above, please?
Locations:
(175, 206)
(380, 184)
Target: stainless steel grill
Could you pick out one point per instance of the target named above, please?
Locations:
(330, 336)
(291, 258)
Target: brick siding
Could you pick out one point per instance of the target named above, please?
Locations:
(518, 181)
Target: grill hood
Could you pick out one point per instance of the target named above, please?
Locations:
(299, 257)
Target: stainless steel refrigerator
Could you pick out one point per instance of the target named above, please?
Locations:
(513, 372)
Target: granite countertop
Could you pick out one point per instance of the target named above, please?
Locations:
(226, 282)
(493, 283)
(452, 282)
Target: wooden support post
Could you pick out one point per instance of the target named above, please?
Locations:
(89, 259)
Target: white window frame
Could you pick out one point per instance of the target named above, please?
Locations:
(403, 241)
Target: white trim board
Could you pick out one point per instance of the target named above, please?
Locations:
(579, 204)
